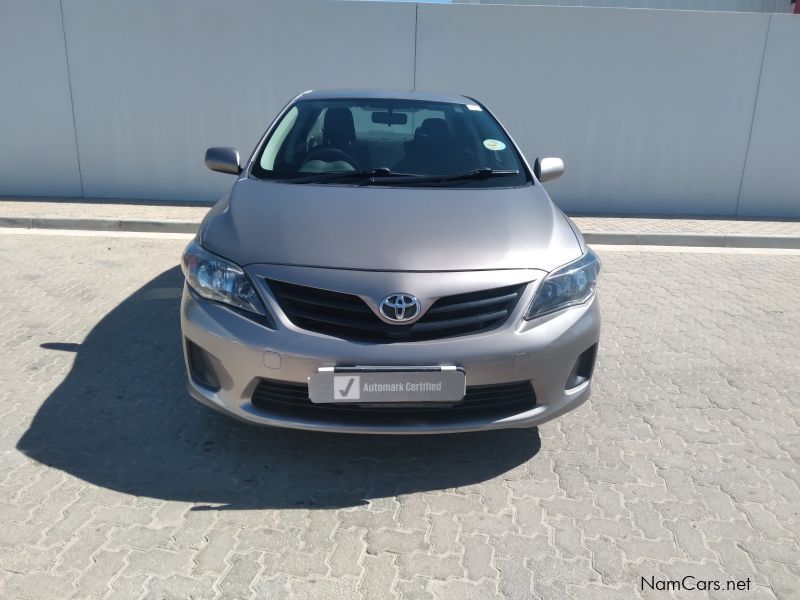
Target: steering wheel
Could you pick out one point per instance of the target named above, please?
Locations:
(331, 155)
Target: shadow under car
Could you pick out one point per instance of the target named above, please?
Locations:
(122, 420)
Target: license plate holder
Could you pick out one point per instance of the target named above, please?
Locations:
(387, 385)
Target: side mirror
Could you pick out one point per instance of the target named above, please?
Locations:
(547, 169)
(223, 160)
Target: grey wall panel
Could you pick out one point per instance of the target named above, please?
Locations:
(724, 5)
(771, 183)
(37, 137)
(157, 81)
(651, 110)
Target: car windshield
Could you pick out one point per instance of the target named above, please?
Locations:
(389, 142)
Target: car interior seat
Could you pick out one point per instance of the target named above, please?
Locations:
(430, 149)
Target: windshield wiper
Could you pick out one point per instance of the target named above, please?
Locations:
(345, 175)
(384, 175)
(484, 173)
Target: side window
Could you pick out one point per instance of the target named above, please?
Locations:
(278, 139)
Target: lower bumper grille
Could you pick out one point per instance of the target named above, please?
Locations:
(480, 402)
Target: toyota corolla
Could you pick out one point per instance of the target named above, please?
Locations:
(388, 263)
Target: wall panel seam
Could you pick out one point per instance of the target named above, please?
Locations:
(71, 99)
(414, 62)
(753, 116)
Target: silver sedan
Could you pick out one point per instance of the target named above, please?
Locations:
(388, 263)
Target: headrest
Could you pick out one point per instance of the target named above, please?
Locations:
(338, 127)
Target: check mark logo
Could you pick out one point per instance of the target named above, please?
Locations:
(346, 387)
(346, 390)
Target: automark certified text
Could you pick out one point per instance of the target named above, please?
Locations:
(423, 386)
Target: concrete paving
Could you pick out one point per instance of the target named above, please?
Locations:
(114, 484)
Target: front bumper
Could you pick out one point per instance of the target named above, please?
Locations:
(242, 352)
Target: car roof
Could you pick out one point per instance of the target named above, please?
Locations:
(383, 95)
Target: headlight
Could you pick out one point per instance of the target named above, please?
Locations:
(572, 284)
(215, 278)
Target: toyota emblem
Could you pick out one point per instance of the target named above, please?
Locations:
(400, 308)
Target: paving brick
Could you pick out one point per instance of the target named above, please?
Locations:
(463, 590)
(576, 571)
(416, 589)
(568, 539)
(297, 564)
(156, 561)
(648, 520)
(690, 539)
(735, 561)
(123, 516)
(427, 565)
(657, 550)
(567, 506)
(528, 514)
(270, 540)
(212, 557)
(317, 535)
(411, 513)
(181, 587)
(367, 520)
(44, 586)
(620, 528)
(94, 583)
(739, 529)
(78, 555)
(138, 537)
(243, 570)
(478, 557)
(276, 586)
(444, 531)
(608, 561)
(515, 579)
(317, 589)
(380, 574)
(513, 544)
(609, 500)
(395, 542)
(347, 553)
(124, 588)
(28, 558)
(762, 552)
(456, 503)
(765, 522)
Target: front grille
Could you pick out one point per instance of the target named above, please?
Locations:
(480, 401)
(348, 317)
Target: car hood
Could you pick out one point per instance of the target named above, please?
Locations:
(389, 229)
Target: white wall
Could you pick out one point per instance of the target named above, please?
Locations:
(37, 137)
(155, 82)
(771, 183)
(649, 109)
(769, 6)
(653, 111)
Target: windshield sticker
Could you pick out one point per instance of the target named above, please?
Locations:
(494, 145)
(474, 107)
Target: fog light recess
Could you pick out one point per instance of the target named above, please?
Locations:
(582, 371)
(201, 368)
